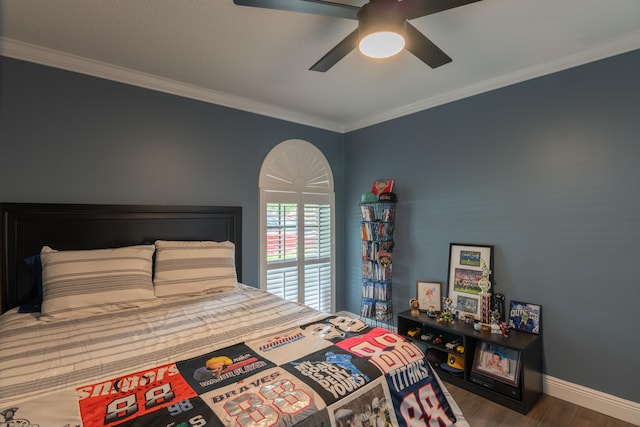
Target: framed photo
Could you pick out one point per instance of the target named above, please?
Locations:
(497, 362)
(429, 294)
(525, 317)
(470, 271)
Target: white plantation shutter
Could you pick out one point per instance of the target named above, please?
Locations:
(317, 255)
(283, 281)
(297, 236)
(282, 249)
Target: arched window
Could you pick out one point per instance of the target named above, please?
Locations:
(297, 225)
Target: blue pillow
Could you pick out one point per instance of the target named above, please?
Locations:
(34, 267)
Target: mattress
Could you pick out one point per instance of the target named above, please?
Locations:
(242, 357)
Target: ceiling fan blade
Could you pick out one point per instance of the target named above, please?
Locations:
(317, 7)
(338, 52)
(423, 48)
(417, 8)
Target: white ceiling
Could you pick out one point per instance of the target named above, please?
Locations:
(257, 59)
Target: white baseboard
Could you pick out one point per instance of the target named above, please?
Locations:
(598, 401)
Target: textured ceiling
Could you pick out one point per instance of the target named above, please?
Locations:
(258, 59)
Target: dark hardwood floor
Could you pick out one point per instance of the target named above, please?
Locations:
(548, 411)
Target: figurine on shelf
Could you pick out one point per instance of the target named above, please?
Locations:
(445, 317)
(415, 307)
(447, 304)
(431, 311)
(495, 322)
(466, 318)
(504, 329)
(447, 307)
(498, 304)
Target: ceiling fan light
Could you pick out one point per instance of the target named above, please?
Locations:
(381, 44)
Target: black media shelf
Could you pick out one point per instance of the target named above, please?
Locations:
(520, 397)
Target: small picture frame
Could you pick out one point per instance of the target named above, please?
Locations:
(497, 362)
(470, 272)
(525, 317)
(429, 294)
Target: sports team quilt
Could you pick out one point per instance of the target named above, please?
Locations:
(242, 358)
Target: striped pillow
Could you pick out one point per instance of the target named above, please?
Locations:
(78, 283)
(194, 267)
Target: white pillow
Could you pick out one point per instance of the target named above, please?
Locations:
(185, 268)
(79, 283)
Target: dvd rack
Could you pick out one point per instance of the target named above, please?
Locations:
(376, 222)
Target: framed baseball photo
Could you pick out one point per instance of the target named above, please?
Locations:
(470, 274)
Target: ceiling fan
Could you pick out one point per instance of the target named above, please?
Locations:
(376, 18)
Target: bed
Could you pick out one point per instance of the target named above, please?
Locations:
(137, 316)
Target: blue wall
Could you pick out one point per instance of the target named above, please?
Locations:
(547, 171)
(70, 138)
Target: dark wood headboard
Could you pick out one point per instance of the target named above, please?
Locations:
(26, 227)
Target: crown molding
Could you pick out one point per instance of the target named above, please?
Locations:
(57, 59)
(611, 48)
